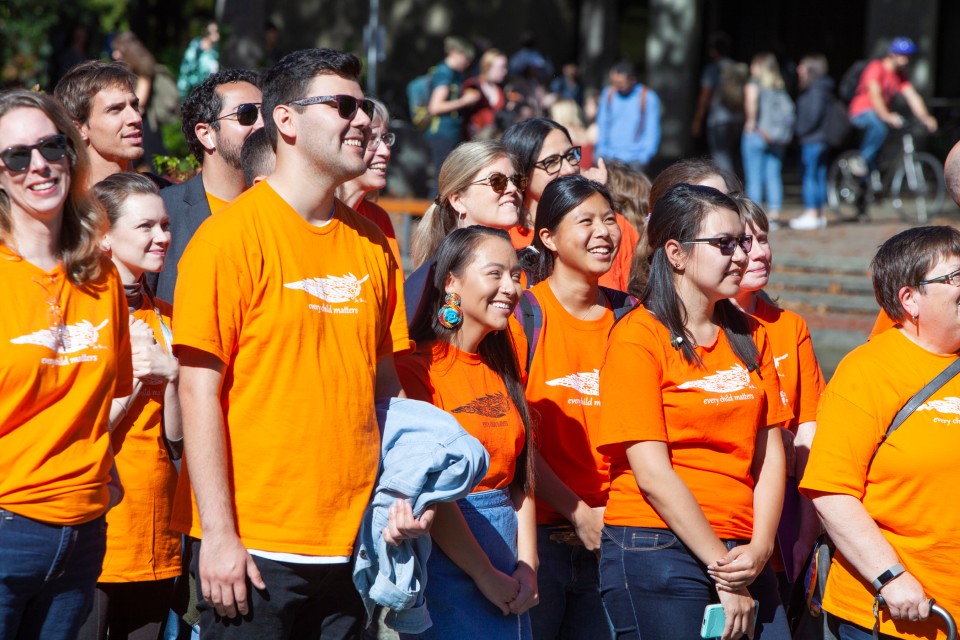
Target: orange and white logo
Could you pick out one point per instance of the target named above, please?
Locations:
(736, 378)
(69, 338)
(332, 289)
(586, 383)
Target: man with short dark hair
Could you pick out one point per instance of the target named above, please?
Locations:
(100, 98)
(628, 119)
(257, 157)
(287, 320)
(217, 117)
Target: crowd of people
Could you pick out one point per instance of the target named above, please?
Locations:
(580, 416)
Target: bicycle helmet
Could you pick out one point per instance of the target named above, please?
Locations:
(903, 47)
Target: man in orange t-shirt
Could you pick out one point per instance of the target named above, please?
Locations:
(285, 305)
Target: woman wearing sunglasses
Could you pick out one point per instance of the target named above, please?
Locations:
(801, 382)
(64, 355)
(136, 586)
(696, 462)
(360, 193)
(545, 152)
(480, 184)
(482, 574)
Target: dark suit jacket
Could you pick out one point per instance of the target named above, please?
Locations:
(187, 207)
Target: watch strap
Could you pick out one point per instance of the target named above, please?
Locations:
(888, 575)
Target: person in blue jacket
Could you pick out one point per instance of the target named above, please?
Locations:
(628, 119)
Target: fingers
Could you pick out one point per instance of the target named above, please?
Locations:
(253, 572)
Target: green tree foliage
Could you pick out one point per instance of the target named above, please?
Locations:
(24, 41)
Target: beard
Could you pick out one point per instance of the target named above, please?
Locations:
(230, 152)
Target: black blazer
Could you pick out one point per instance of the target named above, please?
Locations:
(188, 207)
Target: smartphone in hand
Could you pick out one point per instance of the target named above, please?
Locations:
(714, 620)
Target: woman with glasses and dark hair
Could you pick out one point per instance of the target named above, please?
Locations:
(696, 462)
(545, 152)
(884, 497)
(64, 356)
(482, 574)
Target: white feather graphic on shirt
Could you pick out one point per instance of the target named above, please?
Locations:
(71, 338)
(727, 381)
(586, 383)
(332, 288)
(950, 405)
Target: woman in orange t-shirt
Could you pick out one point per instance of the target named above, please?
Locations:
(143, 559)
(482, 577)
(689, 417)
(801, 382)
(64, 355)
(576, 242)
(887, 502)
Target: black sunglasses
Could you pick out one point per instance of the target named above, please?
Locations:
(347, 106)
(726, 244)
(246, 114)
(18, 158)
(498, 181)
(552, 164)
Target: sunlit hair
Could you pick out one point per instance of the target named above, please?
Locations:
(487, 59)
(113, 191)
(768, 75)
(459, 170)
(455, 254)
(630, 191)
(905, 259)
(679, 215)
(83, 222)
(751, 212)
(76, 89)
(381, 115)
(566, 112)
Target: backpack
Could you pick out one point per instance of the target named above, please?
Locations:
(164, 102)
(530, 316)
(418, 98)
(836, 123)
(777, 116)
(733, 77)
(851, 80)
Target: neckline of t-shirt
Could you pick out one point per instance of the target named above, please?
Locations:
(565, 317)
(458, 354)
(296, 219)
(8, 254)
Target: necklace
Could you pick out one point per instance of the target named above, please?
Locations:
(54, 313)
(598, 301)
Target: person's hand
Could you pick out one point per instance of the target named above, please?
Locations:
(403, 525)
(739, 608)
(750, 126)
(141, 335)
(905, 598)
(529, 595)
(498, 588)
(789, 451)
(588, 523)
(152, 362)
(597, 173)
(895, 120)
(225, 566)
(738, 569)
(930, 123)
(470, 97)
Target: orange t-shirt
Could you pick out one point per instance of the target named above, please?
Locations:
(801, 381)
(563, 390)
(57, 380)
(908, 487)
(216, 204)
(461, 384)
(882, 323)
(140, 543)
(299, 314)
(708, 416)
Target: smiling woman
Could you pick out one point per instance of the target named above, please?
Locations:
(64, 353)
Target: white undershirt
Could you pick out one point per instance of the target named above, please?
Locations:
(298, 558)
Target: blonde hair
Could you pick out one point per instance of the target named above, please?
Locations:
(769, 75)
(458, 171)
(486, 60)
(567, 112)
(83, 222)
(630, 192)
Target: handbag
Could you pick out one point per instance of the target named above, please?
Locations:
(805, 615)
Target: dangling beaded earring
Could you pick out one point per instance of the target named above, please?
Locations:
(450, 314)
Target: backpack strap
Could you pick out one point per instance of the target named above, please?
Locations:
(621, 302)
(530, 316)
(643, 111)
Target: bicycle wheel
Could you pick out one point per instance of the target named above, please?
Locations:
(844, 187)
(917, 191)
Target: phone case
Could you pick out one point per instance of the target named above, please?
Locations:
(714, 620)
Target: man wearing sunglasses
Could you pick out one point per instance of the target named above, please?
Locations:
(217, 116)
(287, 319)
(628, 119)
(100, 98)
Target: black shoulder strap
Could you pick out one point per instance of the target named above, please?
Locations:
(531, 318)
(921, 396)
(621, 302)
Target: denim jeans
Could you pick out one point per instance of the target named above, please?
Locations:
(48, 575)
(762, 164)
(569, 582)
(848, 631)
(654, 588)
(874, 133)
(814, 158)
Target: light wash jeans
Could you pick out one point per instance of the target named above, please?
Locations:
(762, 165)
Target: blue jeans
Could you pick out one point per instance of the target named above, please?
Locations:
(48, 575)
(874, 133)
(654, 588)
(569, 582)
(814, 158)
(762, 164)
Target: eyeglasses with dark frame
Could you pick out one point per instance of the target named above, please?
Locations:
(726, 244)
(246, 114)
(553, 164)
(952, 278)
(18, 157)
(498, 182)
(347, 106)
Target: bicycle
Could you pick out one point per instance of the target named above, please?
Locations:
(915, 186)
